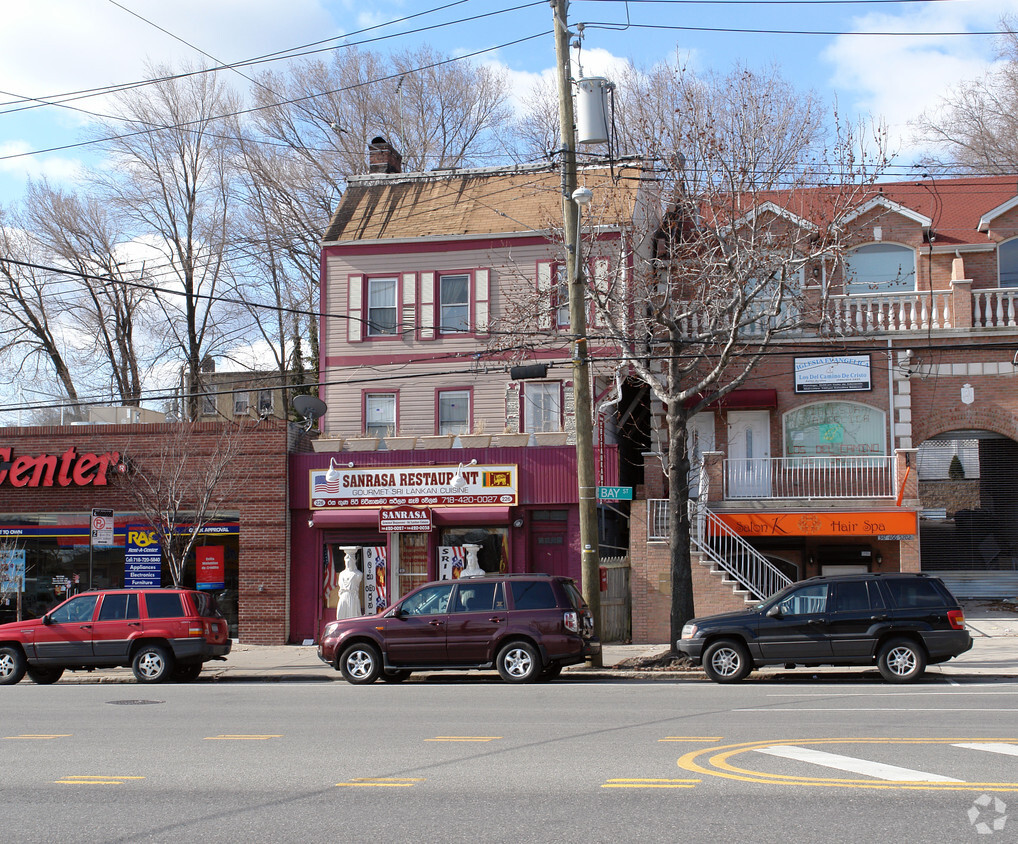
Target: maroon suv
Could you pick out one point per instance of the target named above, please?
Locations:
(160, 633)
(527, 626)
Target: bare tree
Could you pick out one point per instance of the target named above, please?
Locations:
(975, 126)
(185, 487)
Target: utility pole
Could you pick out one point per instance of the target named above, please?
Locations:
(590, 562)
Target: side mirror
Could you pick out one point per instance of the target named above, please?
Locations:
(774, 612)
(46, 619)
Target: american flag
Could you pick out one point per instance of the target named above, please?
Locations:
(324, 487)
(329, 581)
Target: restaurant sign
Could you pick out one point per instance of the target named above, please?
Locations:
(414, 486)
(404, 520)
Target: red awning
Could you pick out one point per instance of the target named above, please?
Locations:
(742, 400)
(441, 516)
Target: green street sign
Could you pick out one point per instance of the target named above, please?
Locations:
(615, 493)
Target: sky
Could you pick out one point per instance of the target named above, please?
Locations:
(844, 51)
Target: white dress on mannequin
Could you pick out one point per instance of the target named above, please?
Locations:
(349, 603)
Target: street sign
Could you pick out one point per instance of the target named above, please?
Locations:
(615, 493)
(102, 527)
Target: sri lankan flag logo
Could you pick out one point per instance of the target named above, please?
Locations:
(496, 479)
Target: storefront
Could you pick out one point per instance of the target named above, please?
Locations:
(68, 519)
(404, 518)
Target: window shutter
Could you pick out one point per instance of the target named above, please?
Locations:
(481, 293)
(427, 324)
(409, 315)
(602, 289)
(545, 312)
(354, 309)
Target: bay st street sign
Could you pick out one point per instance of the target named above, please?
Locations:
(615, 493)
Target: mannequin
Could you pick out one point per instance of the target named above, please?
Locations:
(473, 569)
(349, 603)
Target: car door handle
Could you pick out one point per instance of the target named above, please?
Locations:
(134, 624)
(86, 626)
(495, 619)
(878, 618)
(815, 621)
(436, 623)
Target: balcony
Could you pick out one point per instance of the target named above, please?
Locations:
(808, 477)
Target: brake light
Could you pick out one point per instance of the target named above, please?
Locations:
(571, 621)
(956, 618)
(195, 630)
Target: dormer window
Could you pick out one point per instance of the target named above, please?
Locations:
(879, 268)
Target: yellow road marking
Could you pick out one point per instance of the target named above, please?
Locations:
(40, 736)
(381, 782)
(649, 783)
(464, 738)
(691, 738)
(723, 768)
(87, 779)
(239, 738)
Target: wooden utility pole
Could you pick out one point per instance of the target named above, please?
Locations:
(590, 562)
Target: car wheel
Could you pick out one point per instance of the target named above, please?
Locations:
(12, 666)
(187, 673)
(395, 675)
(360, 664)
(550, 672)
(726, 661)
(901, 660)
(152, 664)
(519, 662)
(45, 676)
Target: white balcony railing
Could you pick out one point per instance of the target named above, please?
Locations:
(913, 310)
(994, 308)
(809, 477)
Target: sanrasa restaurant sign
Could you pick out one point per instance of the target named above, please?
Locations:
(414, 486)
(72, 468)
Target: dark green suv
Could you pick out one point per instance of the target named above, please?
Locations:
(899, 622)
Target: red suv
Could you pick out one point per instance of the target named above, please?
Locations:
(526, 626)
(160, 633)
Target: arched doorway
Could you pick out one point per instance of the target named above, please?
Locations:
(968, 525)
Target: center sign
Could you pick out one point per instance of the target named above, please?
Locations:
(414, 486)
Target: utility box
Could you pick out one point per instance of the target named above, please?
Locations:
(592, 110)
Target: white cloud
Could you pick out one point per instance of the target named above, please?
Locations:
(15, 162)
(897, 78)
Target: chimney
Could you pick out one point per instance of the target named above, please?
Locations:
(383, 158)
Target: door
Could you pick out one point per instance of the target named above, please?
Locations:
(416, 636)
(549, 550)
(798, 632)
(700, 438)
(69, 635)
(113, 629)
(477, 620)
(749, 454)
(856, 606)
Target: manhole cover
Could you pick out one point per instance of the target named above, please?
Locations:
(133, 702)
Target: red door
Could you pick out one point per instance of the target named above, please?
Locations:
(549, 551)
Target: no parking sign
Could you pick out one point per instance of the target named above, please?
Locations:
(102, 527)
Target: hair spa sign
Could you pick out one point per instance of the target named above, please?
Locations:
(72, 468)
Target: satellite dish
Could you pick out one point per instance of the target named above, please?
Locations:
(311, 408)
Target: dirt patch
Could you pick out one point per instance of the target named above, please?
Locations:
(663, 661)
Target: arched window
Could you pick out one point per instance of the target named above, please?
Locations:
(1007, 263)
(879, 268)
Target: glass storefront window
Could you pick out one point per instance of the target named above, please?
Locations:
(494, 541)
(835, 429)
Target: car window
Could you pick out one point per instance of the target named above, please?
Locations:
(206, 604)
(913, 593)
(431, 601)
(474, 597)
(119, 606)
(533, 595)
(75, 610)
(805, 601)
(850, 596)
(575, 598)
(164, 605)
(876, 596)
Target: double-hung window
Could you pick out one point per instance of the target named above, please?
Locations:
(381, 307)
(453, 411)
(380, 414)
(454, 303)
(542, 406)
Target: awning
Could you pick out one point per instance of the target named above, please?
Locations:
(441, 516)
(742, 400)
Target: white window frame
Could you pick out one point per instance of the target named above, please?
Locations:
(881, 281)
(452, 426)
(371, 307)
(381, 403)
(1008, 278)
(542, 406)
(461, 310)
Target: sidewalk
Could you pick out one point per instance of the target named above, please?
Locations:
(994, 655)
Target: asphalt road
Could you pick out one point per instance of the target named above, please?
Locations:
(479, 761)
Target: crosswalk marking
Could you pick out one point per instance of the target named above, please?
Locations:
(990, 747)
(877, 770)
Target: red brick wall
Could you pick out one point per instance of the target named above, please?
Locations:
(261, 499)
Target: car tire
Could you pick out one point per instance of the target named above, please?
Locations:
(360, 664)
(187, 673)
(901, 660)
(394, 675)
(152, 664)
(45, 676)
(726, 661)
(519, 662)
(12, 666)
(550, 672)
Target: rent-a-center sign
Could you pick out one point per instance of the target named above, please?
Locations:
(414, 486)
(67, 469)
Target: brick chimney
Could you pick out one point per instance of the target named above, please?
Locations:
(383, 158)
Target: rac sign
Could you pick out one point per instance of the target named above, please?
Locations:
(72, 468)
